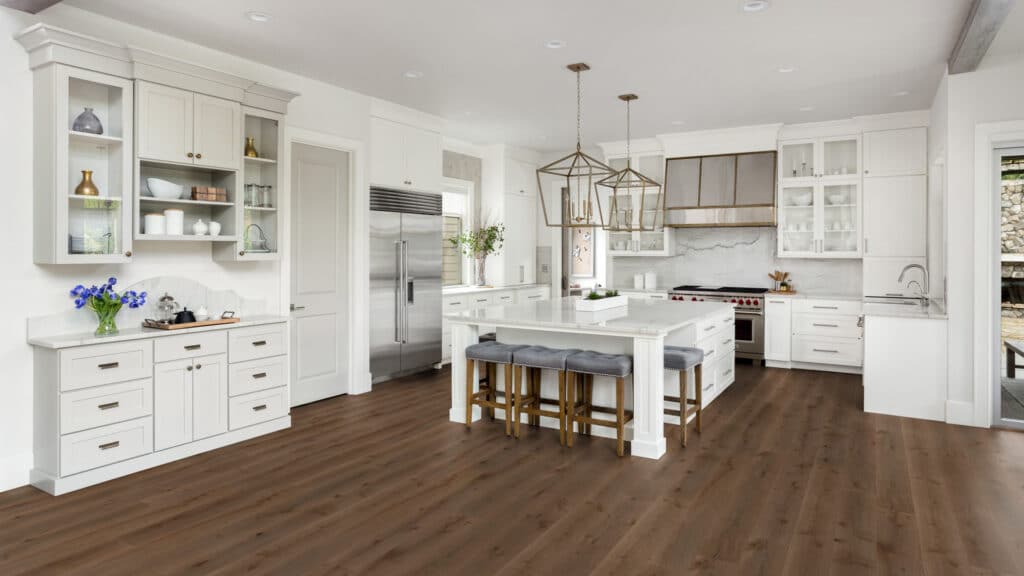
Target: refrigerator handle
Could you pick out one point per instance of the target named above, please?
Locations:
(398, 289)
(407, 297)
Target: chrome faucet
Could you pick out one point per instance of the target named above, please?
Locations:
(924, 272)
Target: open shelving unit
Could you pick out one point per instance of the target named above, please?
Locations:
(186, 176)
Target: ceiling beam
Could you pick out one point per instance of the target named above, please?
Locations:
(30, 6)
(979, 31)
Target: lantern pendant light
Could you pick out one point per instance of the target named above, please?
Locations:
(627, 183)
(580, 205)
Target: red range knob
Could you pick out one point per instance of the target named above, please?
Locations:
(734, 301)
(694, 298)
(757, 302)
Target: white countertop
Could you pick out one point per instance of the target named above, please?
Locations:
(644, 290)
(138, 333)
(817, 296)
(640, 318)
(456, 290)
(935, 310)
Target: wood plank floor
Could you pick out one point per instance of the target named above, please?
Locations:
(789, 477)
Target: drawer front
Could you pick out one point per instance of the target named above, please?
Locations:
(103, 405)
(455, 303)
(534, 295)
(715, 324)
(105, 364)
(657, 296)
(102, 446)
(846, 307)
(827, 325)
(828, 351)
(726, 341)
(710, 345)
(725, 371)
(256, 375)
(168, 348)
(479, 301)
(505, 298)
(257, 342)
(257, 407)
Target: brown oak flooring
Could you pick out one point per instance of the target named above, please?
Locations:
(789, 477)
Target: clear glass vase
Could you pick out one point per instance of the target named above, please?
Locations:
(481, 271)
(107, 322)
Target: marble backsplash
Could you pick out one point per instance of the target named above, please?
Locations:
(738, 257)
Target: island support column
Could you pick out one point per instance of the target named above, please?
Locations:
(463, 335)
(648, 397)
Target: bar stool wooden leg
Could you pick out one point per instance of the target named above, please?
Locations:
(570, 407)
(561, 407)
(517, 377)
(532, 392)
(492, 385)
(469, 393)
(620, 414)
(508, 399)
(697, 373)
(684, 407)
(589, 393)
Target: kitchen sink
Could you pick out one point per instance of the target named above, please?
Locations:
(899, 301)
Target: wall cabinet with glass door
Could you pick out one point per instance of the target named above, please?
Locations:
(83, 167)
(639, 207)
(820, 198)
(259, 219)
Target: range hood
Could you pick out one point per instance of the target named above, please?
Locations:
(721, 190)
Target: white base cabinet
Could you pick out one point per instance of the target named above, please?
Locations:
(778, 329)
(904, 367)
(814, 334)
(104, 410)
(471, 300)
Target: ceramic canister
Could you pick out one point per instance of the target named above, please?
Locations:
(154, 224)
(214, 228)
(175, 221)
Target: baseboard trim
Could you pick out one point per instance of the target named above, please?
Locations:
(960, 412)
(14, 471)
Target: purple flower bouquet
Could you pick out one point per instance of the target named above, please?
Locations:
(106, 303)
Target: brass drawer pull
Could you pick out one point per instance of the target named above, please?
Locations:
(109, 405)
(260, 343)
(825, 307)
(193, 347)
(110, 445)
(825, 325)
(826, 351)
(259, 375)
(109, 365)
(260, 407)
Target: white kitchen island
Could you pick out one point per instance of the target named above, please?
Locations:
(641, 330)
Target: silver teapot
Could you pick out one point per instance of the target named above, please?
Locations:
(166, 308)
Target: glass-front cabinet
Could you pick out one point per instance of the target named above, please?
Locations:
(820, 198)
(640, 208)
(83, 167)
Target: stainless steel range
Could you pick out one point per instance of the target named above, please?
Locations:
(749, 304)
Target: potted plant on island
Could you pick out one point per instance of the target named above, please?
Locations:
(480, 244)
(106, 303)
(596, 301)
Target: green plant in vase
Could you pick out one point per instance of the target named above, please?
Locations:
(480, 244)
(106, 303)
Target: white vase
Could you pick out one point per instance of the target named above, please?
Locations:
(200, 228)
(214, 228)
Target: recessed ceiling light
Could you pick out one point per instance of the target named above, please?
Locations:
(413, 74)
(901, 93)
(555, 44)
(787, 69)
(257, 16)
(754, 5)
(806, 108)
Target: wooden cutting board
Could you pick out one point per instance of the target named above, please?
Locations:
(215, 322)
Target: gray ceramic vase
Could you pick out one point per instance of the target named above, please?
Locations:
(87, 122)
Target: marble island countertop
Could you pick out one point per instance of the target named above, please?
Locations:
(456, 290)
(639, 318)
(138, 332)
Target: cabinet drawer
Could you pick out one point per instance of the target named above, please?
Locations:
(479, 301)
(102, 405)
(820, 350)
(848, 307)
(827, 325)
(715, 324)
(168, 348)
(105, 364)
(257, 407)
(102, 446)
(454, 303)
(710, 346)
(257, 342)
(534, 294)
(657, 296)
(256, 375)
(505, 298)
(726, 341)
(725, 371)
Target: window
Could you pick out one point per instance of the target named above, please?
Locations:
(451, 256)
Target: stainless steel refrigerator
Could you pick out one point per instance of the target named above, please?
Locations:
(405, 282)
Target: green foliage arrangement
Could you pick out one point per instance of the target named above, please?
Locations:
(481, 243)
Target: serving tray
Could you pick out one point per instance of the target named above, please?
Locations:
(165, 326)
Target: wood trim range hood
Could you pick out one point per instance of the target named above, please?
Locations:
(721, 190)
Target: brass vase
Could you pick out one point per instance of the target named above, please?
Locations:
(250, 147)
(86, 186)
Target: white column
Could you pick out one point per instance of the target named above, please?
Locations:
(648, 397)
(463, 335)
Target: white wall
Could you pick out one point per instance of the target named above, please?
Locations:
(40, 290)
(990, 94)
(938, 119)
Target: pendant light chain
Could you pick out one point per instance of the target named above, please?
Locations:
(579, 107)
(629, 160)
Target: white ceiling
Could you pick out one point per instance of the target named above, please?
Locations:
(703, 63)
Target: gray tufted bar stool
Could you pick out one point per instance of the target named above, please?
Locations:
(490, 354)
(586, 365)
(532, 360)
(682, 359)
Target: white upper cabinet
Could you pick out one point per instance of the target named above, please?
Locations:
(520, 237)
(896, 152)
(218, 142)
(187, 128)
(635, 208)
(895, 216)
(403, 156)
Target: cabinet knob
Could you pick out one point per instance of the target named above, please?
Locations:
(128, 254)
(189, 368)
(865, 171)
(198, 366)
(190, 155)
(198, 156)
(241, 252)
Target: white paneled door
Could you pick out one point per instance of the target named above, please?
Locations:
(319, 272)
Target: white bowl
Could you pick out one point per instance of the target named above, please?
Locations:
(164, 189)
(804, 200)
(836, 199)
